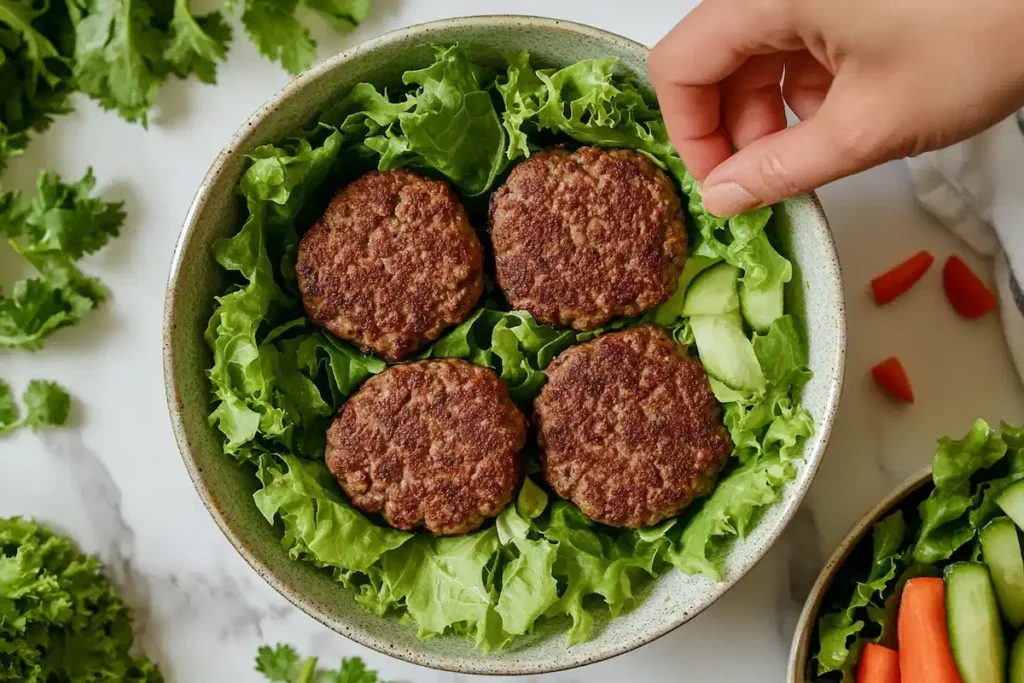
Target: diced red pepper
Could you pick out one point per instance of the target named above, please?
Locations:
(892, 378)
(895, 282)
(965, 291)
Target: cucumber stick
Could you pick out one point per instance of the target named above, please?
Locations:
(1017, 660)
(1012, 503)
(1001, 551)
(975, 632)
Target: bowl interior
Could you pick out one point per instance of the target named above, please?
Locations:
(800, 650)
(227, 488)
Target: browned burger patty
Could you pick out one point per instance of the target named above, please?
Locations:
(629, 429)
(431, 444)
(392, 263)
(583, 237)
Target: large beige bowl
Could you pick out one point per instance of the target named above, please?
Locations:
(227, 488)
(801, 648)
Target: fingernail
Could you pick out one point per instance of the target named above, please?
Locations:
(729, 199)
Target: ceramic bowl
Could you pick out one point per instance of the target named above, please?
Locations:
(226, 488)
(801, 648)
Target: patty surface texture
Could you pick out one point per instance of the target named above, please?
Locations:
(433, 444)
(392, 263)
(629, 428)
(583, 237)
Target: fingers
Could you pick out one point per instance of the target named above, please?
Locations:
(793, 161)
(806, 84)
(687, 67)
(752, 100)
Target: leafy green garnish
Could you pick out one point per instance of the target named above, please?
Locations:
(120, 52)
(59, 225)
(46, 404)
(60, 619)
(282, 664)
(278, 380)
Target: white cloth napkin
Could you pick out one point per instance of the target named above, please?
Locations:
(976, 189)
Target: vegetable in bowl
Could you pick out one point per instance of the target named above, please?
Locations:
(277, 380)
(936, 591)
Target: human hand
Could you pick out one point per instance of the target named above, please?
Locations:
(871, 81)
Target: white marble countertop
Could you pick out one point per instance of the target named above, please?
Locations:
(115, 481)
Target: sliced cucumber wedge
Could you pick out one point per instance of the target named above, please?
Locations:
(1012, 503)
(1000, 549)
(727, 353)
(669, 312)
(713, 292)
(1017, 660)
(975, 632)
(761, 307)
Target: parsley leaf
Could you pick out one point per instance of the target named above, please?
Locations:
(283, 665)
(47, 405)
(59, 225)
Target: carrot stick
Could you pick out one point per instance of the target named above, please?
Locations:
(878, 665)
(925, 653)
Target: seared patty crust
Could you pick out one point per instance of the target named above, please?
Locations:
(432, 444)
(392, 263)
(629, 428)
(583, 237)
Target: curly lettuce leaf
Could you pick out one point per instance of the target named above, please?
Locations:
(945, 525)
(59, 225)
(835, 629)
(319, 523)
(60, 619)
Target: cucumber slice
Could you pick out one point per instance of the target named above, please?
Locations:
(1012, 502)
(669, 312)
(713, 292)
(972, 616)
(1001, 550)
(1017, 660)
(761, 307)
(727, 353)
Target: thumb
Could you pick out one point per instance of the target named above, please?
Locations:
(790, 162)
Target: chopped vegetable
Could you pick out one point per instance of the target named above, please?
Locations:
(972, 619)
(892, 378)
(46, 403)
(895, 282)
(969, 475)
(925, 652)
(965, 291)
(60, 619)
(282, 664)
(878, 665)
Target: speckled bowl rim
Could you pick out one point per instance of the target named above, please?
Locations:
(241, 544)
(800, 649)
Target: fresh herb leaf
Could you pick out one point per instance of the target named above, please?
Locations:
(47, 405)
(282, 664)
(59, 225)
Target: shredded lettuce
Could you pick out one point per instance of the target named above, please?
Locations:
(277, 379)
(916, 540)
